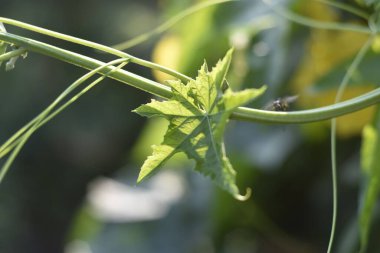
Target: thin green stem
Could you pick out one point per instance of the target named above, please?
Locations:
(315, 23)
(353, 67)
(168, 24)
(17, 141)
(71, 88)
(334, 185)
(11, 54)
(93, 45)
(241, 113)
(343, 85)
(346, 7)
(55, 113)
(307, 116)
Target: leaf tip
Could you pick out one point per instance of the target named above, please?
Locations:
(230, 52)
(141, 177)
(263, 88)
(244, 197)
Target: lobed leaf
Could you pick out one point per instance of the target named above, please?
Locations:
(198, 113)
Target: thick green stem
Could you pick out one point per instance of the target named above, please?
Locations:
(13, 53)
(306, 116)
(88, 63)
(241, 113)
(94, 45)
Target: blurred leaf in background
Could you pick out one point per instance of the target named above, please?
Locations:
(327, 55)
(370, 186)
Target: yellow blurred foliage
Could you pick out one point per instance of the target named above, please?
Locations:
(185, 47)
(376, 44)
(167, 52)
(317, 10)
(325, 50)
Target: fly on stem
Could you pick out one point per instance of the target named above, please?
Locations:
(280, 104)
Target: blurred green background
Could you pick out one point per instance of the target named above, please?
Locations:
(72, 189)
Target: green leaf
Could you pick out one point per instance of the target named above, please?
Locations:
(198, 113)
(370, 163)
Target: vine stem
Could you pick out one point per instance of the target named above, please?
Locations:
(87, 63)
(13, 53)
(47, 114)
(94, 45)
(241, 113)
(350, 71)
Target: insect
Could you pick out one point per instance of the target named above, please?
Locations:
(280, 104)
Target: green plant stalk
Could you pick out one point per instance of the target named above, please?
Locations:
(94, 45)
(16, 142)
(168, 24)
(87, 63)
(242, 113)
(11, 54)
(308, 116)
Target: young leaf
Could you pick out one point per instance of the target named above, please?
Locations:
(198, 113)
